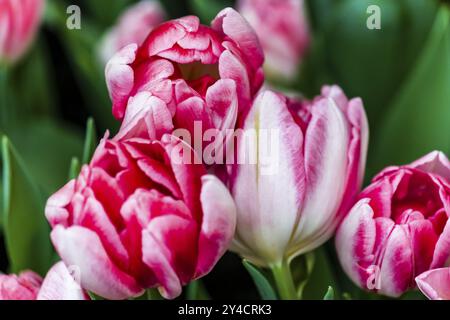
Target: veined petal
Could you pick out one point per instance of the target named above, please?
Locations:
(326, 147)
(120, 78)
(269, 188)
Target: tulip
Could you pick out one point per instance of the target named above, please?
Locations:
(19, 21)
(185, 73)
(435, 284)
(290, 201)
(399, 228)
(283, 32)
(141, 215)
(133, 26)
(57, 285)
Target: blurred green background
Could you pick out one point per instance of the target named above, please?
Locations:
(402, 73)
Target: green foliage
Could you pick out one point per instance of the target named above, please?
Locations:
(197, 291)
(208, 9)
(25, 229)
(329, 295)
(263, 285)
(418, 120)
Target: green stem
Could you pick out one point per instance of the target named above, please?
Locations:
(283, 279)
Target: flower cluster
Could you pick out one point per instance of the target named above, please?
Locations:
(150, 210)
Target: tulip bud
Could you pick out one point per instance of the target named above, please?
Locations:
(19, 21)
(292, 197)
(133, 27)
(283, 32)
(400, 227)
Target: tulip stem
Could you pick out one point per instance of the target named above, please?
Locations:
(283, 279)
(3, 96)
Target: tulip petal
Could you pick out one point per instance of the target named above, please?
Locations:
(230, 67)
(396, 272)
(232, 24)
(59, 284)
(262, 179)
(55, 211)
(120, 78)
(169, 249)
(80, 247)
(435, 284)
(218, 225)
(355, 240)
(222, 103)
(146, 117)
(435, 162)
(326, 149)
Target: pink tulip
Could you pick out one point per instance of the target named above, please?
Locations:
(400, 228)
(57, 285)
(283, 31)
(186, 72)
(133, 27)
(140, 216)
(435, 284)
(291, 201)
(19, 21)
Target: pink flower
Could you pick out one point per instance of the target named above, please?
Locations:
(283, 31)
(310, 160)
(186, 72)
(400, 228)
(19, 21)
(133, 27)
(435, 284)
(57, 285)
(141, 215)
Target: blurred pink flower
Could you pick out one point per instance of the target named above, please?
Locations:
(400, 228)
(57, 285)
(139, 217)
(291, 201)
(283, 32)
(19, 21)
(132, 27)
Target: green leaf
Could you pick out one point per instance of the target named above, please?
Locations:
(263, 285)
(90, 142)
(75, 168)
(25, 229)
(197, 291)
(47, 148)
(302, 268)
(330, 294)
(418, 120)
(321, 276)
(208, 9)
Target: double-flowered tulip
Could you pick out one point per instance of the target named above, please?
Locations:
(142, 214)
(291, 199)
(400, 228)
(184, 73)
(283, 32)
(59, 284)
(19, 20)
(133, 26)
